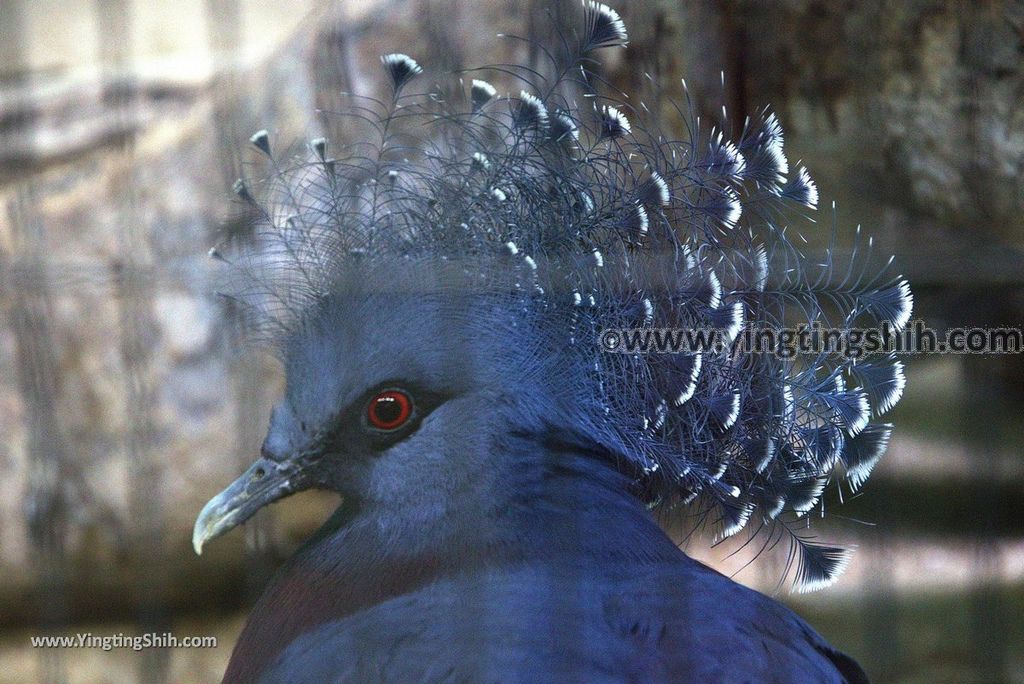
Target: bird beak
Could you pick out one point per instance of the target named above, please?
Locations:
(264, 482)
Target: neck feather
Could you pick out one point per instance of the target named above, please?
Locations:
(556, 504)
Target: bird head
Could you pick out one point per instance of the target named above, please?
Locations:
(434, 293)
(398, 385)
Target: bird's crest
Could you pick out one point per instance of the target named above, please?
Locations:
(561, 196)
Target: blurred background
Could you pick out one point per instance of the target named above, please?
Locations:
(127, 398)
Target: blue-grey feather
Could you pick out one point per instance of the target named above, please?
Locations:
(612, 225)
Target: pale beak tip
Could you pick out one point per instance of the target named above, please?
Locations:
(198, 537)
(201, 530)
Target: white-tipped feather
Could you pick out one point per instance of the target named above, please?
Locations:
(655, 191)
(691, 384)
(480, 93)
(640, 221)
(731, 321)
(261, 140)
(532, 112)
(480, 159)
(737, 163)
(605, 26)
(803, 189)
(804, 506)
(906, 306)
(648, 312)
(614, 123)
(714, 290)
(402, 68)
(895, 392)
(738, 523)
(733, 208)
(729, 419)
(837, 565)
(564, 127)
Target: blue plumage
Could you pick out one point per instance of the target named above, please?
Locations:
(611, 227)
(479, 248)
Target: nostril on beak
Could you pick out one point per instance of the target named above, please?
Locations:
(258, 474)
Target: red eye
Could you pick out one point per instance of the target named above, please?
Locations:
(389, 410)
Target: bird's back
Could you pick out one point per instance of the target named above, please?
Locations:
(672, 621)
